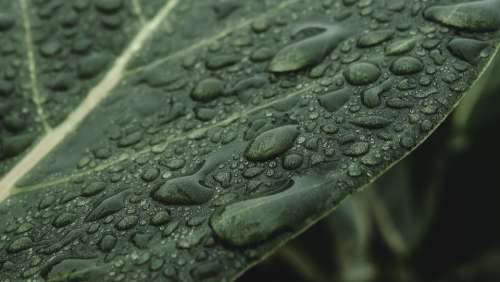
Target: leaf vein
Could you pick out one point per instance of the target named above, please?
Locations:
(209, 40)
(101, 91)
(32, 65)
(137, 6)
(180, 137)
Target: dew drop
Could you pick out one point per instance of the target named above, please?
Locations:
(477, 16)
(467, 49)
(362, 73)
(335, 100)
(272, 143)
(310, 51)
(252, 221)
(208, 89)
(182, 191)
(406, 65)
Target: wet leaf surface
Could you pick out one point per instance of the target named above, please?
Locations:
(186, 140)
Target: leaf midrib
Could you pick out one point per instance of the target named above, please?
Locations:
(102, 90)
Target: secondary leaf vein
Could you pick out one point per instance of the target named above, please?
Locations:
(101, 91)
(209, 40)
(136, 4)
(176, 138)
(32, 65)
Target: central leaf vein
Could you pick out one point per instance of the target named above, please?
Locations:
(100, 92)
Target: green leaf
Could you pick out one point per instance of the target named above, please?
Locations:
(186, 140)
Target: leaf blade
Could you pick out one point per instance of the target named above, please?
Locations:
(147, 133)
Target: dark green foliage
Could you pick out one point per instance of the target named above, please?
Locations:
(186, 140)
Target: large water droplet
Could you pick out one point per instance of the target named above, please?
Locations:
(255, 220)
(208, 90)
(310, 51)
(362, 73)
(371, 38)
(474, 16)
(108, 206)
(183, 191)
(467, 49)
(335, 100)
(406, 65)
(272, 143)
(73, 269)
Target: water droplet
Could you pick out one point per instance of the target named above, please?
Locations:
(467, 49)
(262, 54)
(252, 221)
(206, 270)
(15, 145)
(310, 51)
(400, 46)
(205, 114)
(46, 202)
(406, 65)
(130, 139)
(107, 243)
(398, 103)
(208, 90)
(272, 143)
(354, 170)
(73, 269)
(64, 219)
(20, 244)
(292, 161)
(371, 122)
(160, 218)
(50, 48)
(216, 62)
(108, 6)
(150, 174)
(108, 206)
(362, 73)
(474, 16)
(156, 264)
(127, 222)
(6, 87)
(357, 149)
(225, 9)
(182, 191)
(252, 172)
(93, 189)
(371, 38)
(224, 178)
(92, 65)
(175, 164)
(335, 100)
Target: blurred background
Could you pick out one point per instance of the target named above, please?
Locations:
(432, 217)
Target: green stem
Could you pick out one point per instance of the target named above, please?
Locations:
(302, 264)
(463, 113)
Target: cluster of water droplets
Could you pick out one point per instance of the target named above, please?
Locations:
(243, 138)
